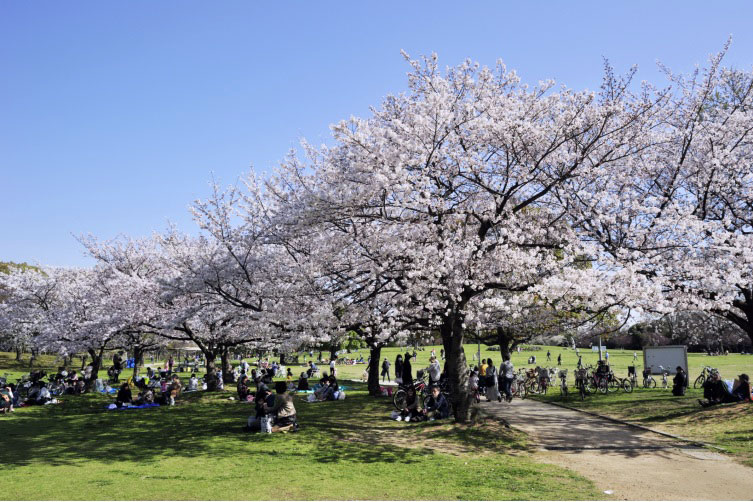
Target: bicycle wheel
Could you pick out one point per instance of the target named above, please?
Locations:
(400, 399)
(614, 385)
(651, 383)
(627, 386)
(590, 385)
(582, 390)
(603, 386)
(699, 382)
(543, 387)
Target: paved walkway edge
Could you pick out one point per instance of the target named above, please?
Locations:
(637, 426)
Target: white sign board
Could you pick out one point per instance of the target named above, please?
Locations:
(595, 348)
(669, 357)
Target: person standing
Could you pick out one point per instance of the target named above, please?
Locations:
(559, 359)
(385, 370)
(434, 371)
(548, 356)
(580, 362)
(441, 353)
(399, 368)
(407, 373)
(506, 376)
(492, 387)
(332, 369)
(635, 356)
(170, 364)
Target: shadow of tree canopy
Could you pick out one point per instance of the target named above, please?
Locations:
(81, 429)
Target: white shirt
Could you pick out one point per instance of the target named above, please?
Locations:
(435, 371)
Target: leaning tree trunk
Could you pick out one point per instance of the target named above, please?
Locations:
(138, 360)
(19, 351)
(374, 365)
(227, 367)
(211, 375)
(84, 357)
(96, 365)
(456, 367)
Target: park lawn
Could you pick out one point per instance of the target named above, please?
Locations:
(198, 450)
(728, 426)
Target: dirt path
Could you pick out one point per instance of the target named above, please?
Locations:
(630, 463)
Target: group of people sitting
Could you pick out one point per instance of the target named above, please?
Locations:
(274, 412)
(169, 392)
(436, 406)
(717, 391)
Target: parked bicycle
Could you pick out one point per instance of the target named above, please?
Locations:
(706, 374)
(563, 383)
(648, 379)
(581, 382)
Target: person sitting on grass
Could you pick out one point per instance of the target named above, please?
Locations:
(324, 392)
(303, 382)
(437, 406)
(715, 391)
(193, 383)
(6, 400)
(243, 391)
(173, 391)
(263, 399)
(282, 408)
(312, 369)
(411, 412)
(146, 396)
(124, 395)
(680, 382)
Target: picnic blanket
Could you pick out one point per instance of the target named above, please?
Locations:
(112, 406)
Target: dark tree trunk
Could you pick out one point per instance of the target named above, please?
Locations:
(19, 351)
(333, 353)
(456, 367)
(84, 357)
(33, 358)
(138, 360)
(227, 367)
(320, 356)
(505, 341)
(374, 368)
(211, 375)
(96, 365)
(282, 359)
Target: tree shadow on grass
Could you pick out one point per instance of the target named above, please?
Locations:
(203, 424)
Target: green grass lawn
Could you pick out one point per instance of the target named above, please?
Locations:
(198, 450)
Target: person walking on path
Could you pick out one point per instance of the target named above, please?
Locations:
(506, 376)
(580, 362)
(386, 370)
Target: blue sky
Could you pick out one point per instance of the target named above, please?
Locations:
(115, 115)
